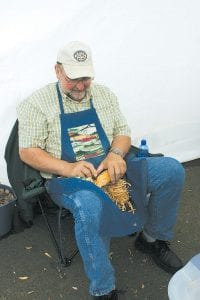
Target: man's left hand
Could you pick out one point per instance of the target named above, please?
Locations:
(115, 165)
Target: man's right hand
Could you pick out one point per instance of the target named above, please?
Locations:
(79, 169)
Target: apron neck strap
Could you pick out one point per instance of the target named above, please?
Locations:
(60, 99)
(91, 103)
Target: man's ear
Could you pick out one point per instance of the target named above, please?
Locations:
(57, 70)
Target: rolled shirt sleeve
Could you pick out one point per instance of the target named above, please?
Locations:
(120, 124)
(33, 127)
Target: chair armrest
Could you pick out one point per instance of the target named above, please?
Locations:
(135, 150)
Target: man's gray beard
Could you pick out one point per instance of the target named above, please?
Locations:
(72, 98)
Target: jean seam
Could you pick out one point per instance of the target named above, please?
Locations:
(155, 218)
(90, 255)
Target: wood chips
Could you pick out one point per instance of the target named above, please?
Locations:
(118, 192)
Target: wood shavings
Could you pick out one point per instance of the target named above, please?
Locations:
(47, 254)
(23, 277)
(118, 191)
(28, 247)
(31, 292)
(5, 196)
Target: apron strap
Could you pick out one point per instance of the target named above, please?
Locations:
(91, 103)
(60, 99)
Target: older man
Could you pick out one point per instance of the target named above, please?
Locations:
(74, 128)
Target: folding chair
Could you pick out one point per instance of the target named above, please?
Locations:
(29, 188)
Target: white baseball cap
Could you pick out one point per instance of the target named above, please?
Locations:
(76, 59)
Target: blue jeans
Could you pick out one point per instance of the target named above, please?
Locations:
(165, 181)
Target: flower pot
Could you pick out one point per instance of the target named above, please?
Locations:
(6, 209)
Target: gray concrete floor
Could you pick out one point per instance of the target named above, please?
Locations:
(29, 268)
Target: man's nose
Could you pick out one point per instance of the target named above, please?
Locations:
(80, 85)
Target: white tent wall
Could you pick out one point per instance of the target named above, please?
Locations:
(147, 52)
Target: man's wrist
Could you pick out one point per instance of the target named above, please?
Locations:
(117, 151)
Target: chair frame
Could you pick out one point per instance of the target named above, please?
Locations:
(64, 260)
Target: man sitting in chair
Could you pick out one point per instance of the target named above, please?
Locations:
(74, 128)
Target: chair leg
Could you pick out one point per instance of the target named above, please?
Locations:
(51, 233)
(65, 261)
(68, 260)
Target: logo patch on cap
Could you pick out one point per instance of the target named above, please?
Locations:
(80, 55)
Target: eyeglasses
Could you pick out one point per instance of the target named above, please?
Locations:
(85, 80)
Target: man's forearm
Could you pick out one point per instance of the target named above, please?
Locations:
(121, 143)
(42, 161)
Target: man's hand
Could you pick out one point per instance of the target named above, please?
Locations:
(80, 169)
(116, 166)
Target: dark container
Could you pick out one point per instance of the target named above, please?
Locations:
(6, 212)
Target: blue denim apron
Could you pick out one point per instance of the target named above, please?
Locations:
(82, 130)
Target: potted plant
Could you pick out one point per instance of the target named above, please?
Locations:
(7, 203)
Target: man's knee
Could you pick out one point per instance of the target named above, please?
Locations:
(165, 171)
(174, 170)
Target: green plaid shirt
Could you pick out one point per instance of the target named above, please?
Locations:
(39, 122)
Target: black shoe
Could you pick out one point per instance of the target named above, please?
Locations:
(162, 255)
(111, 296)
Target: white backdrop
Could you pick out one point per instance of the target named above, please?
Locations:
(146, 51)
